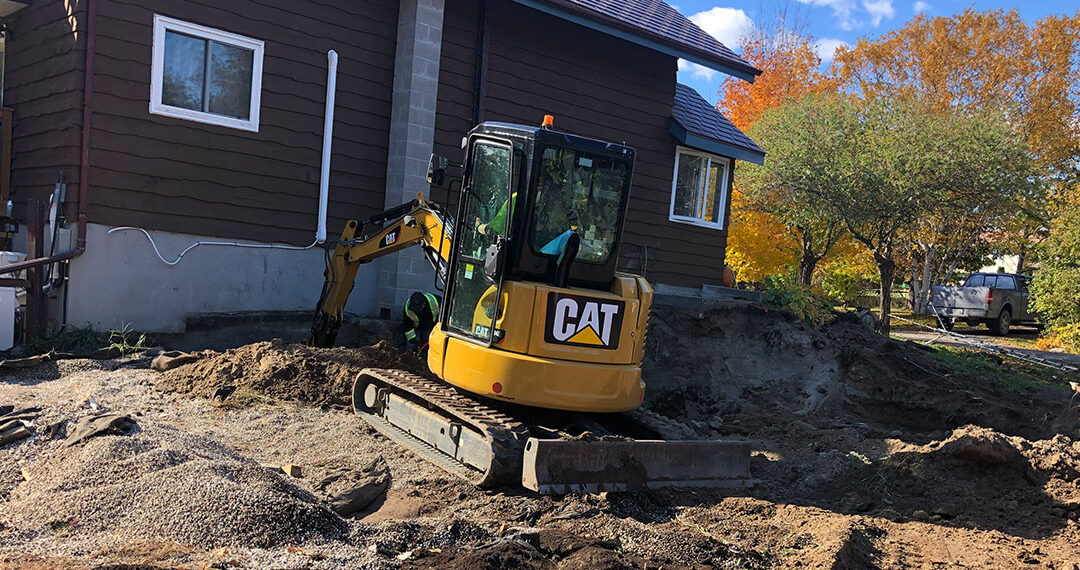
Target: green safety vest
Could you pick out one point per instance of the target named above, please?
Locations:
(498, 223)
(433, 303)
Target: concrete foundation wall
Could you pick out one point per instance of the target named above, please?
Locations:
(412, 132)
(120, 280)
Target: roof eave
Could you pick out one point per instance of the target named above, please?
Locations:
(643, 38)
(709, 144)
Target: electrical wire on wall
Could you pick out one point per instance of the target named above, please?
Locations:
(219, 243)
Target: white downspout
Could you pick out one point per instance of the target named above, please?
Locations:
(327, 143)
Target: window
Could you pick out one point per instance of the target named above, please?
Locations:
(582, 192)
(976, 280)
(699, 190)
(206, 75)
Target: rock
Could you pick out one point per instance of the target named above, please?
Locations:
(13, 435)
(291, 470)
(920, 515)
(357, 499)
(172, 359)
(12, 424)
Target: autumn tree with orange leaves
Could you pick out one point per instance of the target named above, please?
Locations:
(761, 240)
(974, 62)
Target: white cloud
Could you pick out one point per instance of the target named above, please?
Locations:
(695, 70)
(843, 10)
(879, 10)
(729, 25)
(920, 7)
(826, 48)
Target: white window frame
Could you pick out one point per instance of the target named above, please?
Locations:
(722, 214)
(163, 24)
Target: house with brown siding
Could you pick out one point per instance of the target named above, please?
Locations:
(168, 124)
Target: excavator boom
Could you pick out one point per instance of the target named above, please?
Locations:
(415, 223)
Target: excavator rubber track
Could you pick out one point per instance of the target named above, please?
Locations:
(489, 448)
(459, 434)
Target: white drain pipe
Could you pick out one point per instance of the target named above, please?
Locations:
(327, 143)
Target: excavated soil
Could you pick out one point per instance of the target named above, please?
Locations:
(288, 371)
(748, 368)
(867, 453)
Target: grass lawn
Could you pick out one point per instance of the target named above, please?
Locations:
(1014, 374)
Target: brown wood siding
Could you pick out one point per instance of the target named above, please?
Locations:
(43, 83)
(595, 85)
(176, 175)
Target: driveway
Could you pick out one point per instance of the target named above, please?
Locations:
(983, 335)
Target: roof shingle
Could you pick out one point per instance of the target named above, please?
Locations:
(659, 22)
(695, 116)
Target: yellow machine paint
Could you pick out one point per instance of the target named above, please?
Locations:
(595, 369)
(592, 364)
(567, 348)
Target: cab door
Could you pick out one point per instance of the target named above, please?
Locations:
(484, 218)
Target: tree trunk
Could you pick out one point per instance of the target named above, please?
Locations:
(922, 301)
(886, 269)
(806, 269)
(809, 260)
(1020, 259)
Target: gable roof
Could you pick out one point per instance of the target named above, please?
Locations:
(653, 24)
(699, 125)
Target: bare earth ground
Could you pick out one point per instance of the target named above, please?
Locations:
(868, 453)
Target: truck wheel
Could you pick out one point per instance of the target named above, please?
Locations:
(1001, 326)
(948, 323)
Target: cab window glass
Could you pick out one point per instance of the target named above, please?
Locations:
(581, 193)
(487, 211)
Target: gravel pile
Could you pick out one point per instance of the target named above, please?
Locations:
(164, 484)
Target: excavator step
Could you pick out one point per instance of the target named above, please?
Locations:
(555, 466)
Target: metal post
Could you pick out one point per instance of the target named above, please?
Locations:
(35, 248)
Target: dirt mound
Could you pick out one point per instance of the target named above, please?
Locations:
(974, 477)
(288, 371)
(163, 484)
(748, 368)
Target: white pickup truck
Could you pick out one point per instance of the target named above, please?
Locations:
(997, 299)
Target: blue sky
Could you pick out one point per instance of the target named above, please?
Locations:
(831, 22)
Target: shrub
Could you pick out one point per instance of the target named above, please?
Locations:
(1065, 337)
(787, 294)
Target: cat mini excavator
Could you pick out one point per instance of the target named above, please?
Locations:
(540, 340)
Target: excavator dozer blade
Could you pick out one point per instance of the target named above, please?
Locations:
(578, 466)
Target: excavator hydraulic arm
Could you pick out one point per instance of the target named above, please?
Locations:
(415, 223)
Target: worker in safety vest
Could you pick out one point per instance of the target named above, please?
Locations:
(498, 223)
(421, 311)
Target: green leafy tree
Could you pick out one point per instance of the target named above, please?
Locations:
(986, 176)
(808, 142)
(1056, 285)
